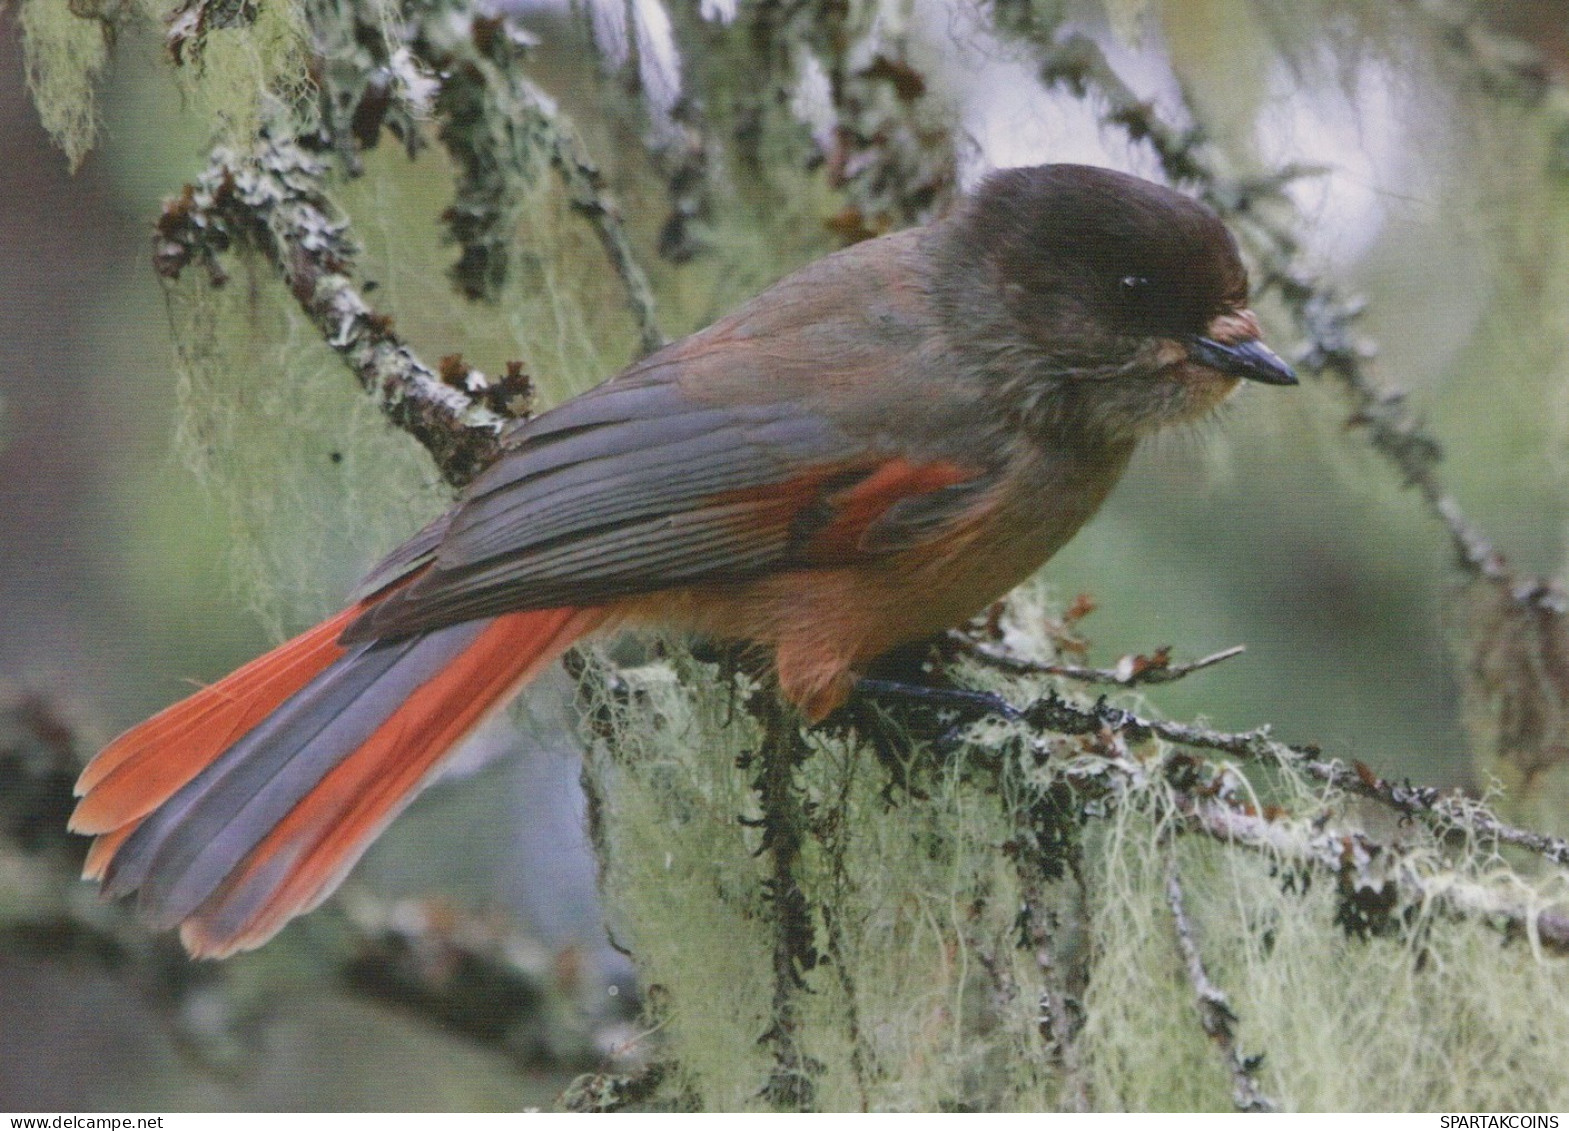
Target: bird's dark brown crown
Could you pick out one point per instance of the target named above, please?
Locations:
(1086, 258)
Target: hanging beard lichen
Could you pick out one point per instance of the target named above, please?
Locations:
(238, 69)
(911, 904)
(989, 925)
(313, 483)
(64, 56)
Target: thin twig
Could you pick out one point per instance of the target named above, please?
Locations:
(1131, 670)
(1215, 1012)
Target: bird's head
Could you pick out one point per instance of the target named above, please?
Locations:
(1126, 301)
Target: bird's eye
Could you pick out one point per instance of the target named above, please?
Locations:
(1134, 286)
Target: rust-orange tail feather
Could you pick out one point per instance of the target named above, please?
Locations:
(244, 805)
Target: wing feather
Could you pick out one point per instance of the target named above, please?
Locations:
(638, 487)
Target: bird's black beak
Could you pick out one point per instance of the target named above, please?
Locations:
(1250, 358)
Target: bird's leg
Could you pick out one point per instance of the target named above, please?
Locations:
(904, 695)
(913, 674)
(968, 704)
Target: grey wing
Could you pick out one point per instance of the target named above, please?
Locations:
(629, 488)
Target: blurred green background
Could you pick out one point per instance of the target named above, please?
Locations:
(123, 578)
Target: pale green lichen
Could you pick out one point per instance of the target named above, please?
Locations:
(64, 55)
(236, 74)
(314, 484)
(935, 988)
(240, 75)
(1441, 1014)
(905, 1013)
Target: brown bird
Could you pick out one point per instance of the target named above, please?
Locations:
(867, 453)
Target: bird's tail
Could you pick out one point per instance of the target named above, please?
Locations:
(244, 805)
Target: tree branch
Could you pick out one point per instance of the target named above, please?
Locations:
(1131, 671)
(273, 199)
(1215, 1012)
(1209, 798)
(1443, 810)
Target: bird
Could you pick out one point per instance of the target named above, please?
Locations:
(867, 453)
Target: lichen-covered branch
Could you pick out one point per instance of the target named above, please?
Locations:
(1215, 1012)
(1211, 798)
(1377, 879)
(498, 126)
(1444, 810)
(273, 200)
